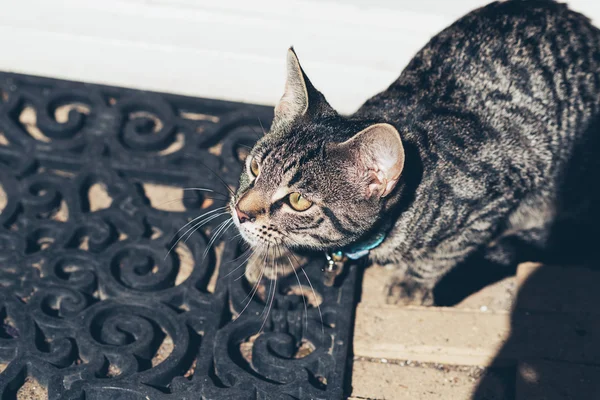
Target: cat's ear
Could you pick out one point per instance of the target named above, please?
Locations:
(378, 156)
(294, 101)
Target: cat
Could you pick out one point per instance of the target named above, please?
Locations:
(489, 136)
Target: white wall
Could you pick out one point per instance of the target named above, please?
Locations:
(230, 49)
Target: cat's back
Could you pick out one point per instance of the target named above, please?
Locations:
(533, 54)
(506, 99)
(537, 50)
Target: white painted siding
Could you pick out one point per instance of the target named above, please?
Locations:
(228, 49)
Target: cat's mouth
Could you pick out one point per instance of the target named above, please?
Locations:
(257, 233)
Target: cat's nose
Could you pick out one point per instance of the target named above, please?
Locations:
(250, 206)
(243, 217)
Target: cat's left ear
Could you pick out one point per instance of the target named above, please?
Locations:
(378, 156)
(299, 95)
(294, 101)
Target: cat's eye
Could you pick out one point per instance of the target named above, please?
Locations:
(298, 202)
(254, 168)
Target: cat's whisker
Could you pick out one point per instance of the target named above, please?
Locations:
(301, 290)
(222, 228)
(198, 226)
(193, 228)
(239, 235)
(244, 272)
(218, 209)
(205, 190)
(255, 131)
(244, 254)
(199, 217)
(316, 301)
(255, 288)
(247, 253)
(260, 277)
(270, 290)
(274, 291)
(219, 178)
(257, 134)
(311, 288)
(261, 126)
(249, 268)
(184, 198)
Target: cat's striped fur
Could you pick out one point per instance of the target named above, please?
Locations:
(498, 117)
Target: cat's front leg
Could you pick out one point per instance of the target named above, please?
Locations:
(403, 289)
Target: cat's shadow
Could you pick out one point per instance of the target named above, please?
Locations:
(554, 342)
(553, 351)
(468, 278)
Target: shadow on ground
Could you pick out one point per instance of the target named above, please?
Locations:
(555, 337)
(555, 322)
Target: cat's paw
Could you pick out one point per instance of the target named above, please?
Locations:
(402, 291)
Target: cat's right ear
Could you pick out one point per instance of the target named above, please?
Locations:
(294, 101)
(377, 157)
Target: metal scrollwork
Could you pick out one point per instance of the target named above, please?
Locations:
(99, 299)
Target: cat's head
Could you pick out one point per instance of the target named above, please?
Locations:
(316, 180)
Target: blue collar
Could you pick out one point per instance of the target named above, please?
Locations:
(361, 249)
(336, 259)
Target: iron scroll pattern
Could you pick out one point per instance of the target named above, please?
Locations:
(92, 304)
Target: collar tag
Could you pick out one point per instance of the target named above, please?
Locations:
(336, 260)
(334, 267)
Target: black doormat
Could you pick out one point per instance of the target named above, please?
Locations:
(92, 303)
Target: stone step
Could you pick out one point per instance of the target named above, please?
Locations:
(377, 380)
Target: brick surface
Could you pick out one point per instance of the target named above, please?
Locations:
(373, 380)
(464, 337)
(444, 335)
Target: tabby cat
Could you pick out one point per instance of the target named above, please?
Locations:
(489, 137)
